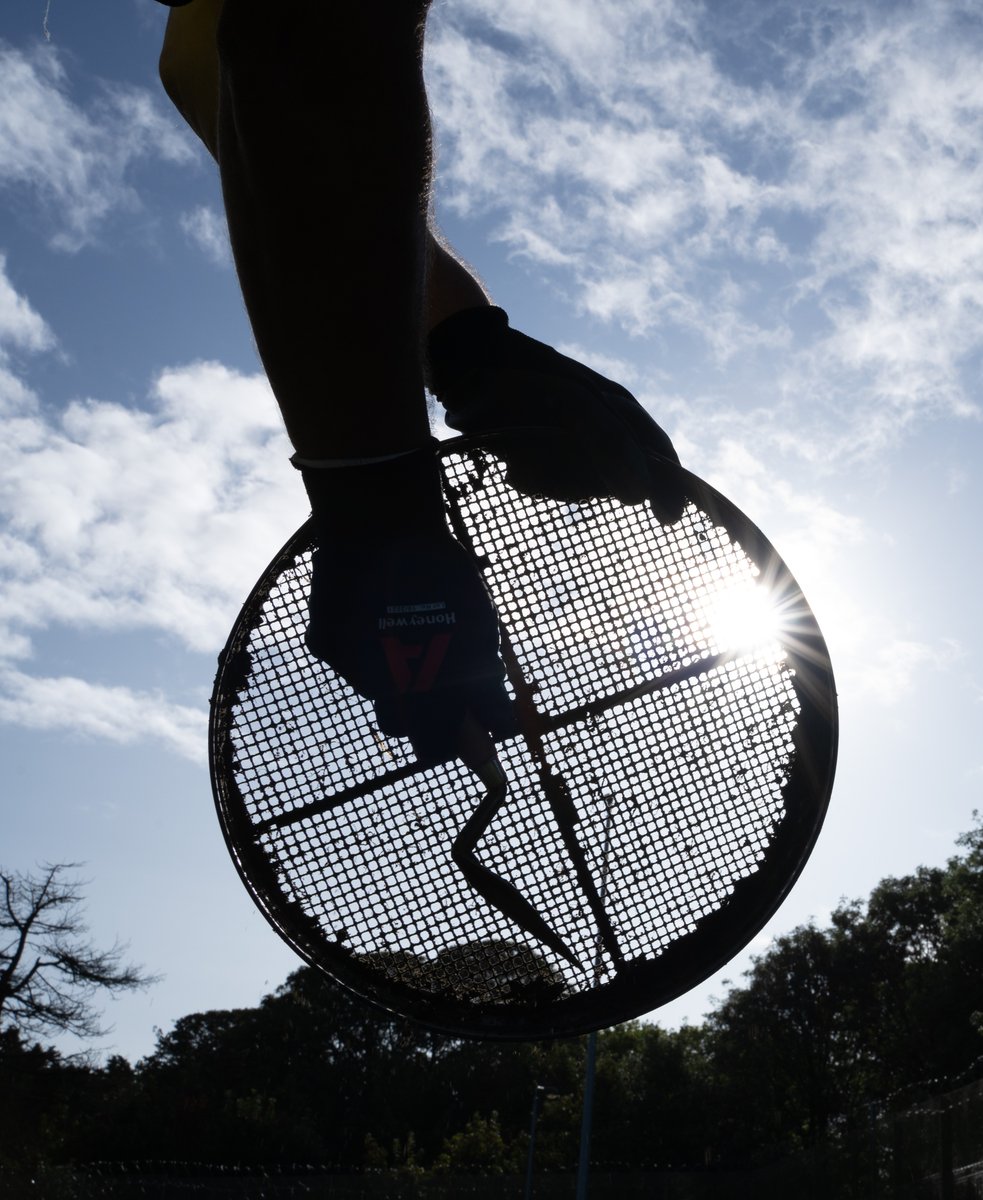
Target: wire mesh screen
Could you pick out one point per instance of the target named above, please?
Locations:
(677, 744)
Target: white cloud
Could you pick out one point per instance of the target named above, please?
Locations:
(117, 519)
(588, 134)
(891, 672)
(812, 194)
(614, 368)
(117, 714)
(73, 160)
(21, 328)
(825, 221)
(120, 518)
(207, 229)
(957, 480)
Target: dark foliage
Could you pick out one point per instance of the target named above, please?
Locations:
(830, 1027)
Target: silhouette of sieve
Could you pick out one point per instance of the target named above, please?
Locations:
(675, 762)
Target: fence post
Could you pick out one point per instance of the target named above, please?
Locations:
(945, 1154)
(896, 1192)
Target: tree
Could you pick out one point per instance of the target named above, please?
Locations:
(49, 972)
(478, 1148)
(833, 1023)
(650, 1104)
(775, 1048)
(302, 1077)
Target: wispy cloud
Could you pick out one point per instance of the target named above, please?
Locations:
(21, 327)
(207, 229)
(893, 669)
(792, 182)
(120, 518)
(23, 331)
(115, 519)
(72, 160)
(116, 714)
(799, 212)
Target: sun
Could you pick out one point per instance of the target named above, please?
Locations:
(745, 617)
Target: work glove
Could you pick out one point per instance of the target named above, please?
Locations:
(573, 434)
(399, 609)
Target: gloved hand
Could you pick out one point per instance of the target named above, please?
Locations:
(398, 608)
(585, 435)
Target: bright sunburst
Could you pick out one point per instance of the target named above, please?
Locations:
(745, 617)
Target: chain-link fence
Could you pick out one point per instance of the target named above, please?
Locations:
(937, 1147)
(113, 1183)
(931, 1150)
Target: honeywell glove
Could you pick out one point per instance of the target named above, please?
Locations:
(584, 434)
(398, 607)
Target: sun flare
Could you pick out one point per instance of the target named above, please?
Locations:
(745, 617)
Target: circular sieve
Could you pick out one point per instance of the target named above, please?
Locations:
(676, 754)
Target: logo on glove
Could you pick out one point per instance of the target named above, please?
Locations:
(399, 656)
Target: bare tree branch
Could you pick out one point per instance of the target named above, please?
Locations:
(50, 973)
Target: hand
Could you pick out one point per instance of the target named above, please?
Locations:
(409, 624)
(581, 434)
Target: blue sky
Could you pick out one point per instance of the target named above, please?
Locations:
(765, 219)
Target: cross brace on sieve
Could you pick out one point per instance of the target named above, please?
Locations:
(557, 794)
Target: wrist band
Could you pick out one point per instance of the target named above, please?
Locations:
(330, 464)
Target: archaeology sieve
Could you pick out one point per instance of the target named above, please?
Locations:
(676, 755)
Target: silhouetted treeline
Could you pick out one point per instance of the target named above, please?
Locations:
(829, 1026)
